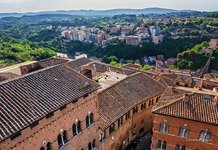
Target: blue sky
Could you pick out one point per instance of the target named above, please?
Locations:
(43, 5)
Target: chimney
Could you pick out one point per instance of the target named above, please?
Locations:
(173, 90)
(94, 67)
(187, 98)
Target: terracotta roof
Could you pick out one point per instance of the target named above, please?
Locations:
(31, 97)
(51, 62)
(149, 73)
(7, 75)
(199, 107)
(77, 63)
(171, 78)
(124, 95)
(171, 94)
(102, 67)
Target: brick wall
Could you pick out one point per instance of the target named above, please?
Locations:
(191, 142)
(130, 128)
(48, 129)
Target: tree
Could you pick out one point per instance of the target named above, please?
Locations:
(146, 67)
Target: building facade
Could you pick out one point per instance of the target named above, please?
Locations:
(186, 120)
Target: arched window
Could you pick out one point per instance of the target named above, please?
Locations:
(178, 147)
(184, 132)
(76, 128)
(59, 139)
(62, 139)
(120, 121)
(89, 119)
(164, 127)
(111, 128)
(65, 137)
(161, 145)
(90, 146)
(93, 144)
(48, 146)
(42, 148)
(205, 136)
(143, 106)
(135, 109)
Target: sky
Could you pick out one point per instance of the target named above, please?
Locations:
(45, 5)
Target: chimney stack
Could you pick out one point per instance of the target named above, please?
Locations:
(173, 90)
(187, 98)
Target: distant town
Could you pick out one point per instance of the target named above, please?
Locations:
(123, 79)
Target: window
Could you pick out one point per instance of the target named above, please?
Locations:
(135, 109)
(127, 115)
(205, 136)
(89, 119)
(184, 132)
(65, 137)
(92, 145)
(143, 106)
(111, 128)
(60, 143)
(164, 127)
(157, 99)
(48, 146)
(161, 145)
(101, 137)
(120, 121)
(76, 128)
(178, 147)
(62, 140)
(150, 103)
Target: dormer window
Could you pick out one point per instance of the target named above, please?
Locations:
(205, 135)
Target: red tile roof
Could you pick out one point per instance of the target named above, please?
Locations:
(124, 95)
(199, 107)
(77, 63)
(31, 97)
(51, 62)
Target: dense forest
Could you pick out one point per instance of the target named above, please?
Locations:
(194, 58)
(14, 51)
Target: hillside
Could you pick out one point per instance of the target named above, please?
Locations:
(98, 12)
